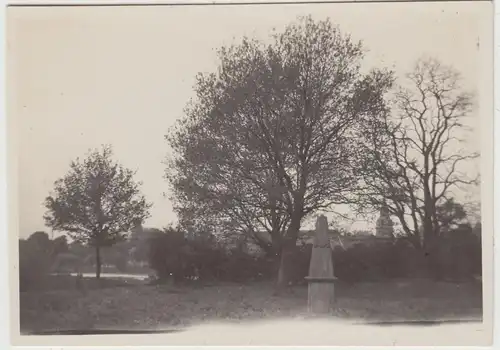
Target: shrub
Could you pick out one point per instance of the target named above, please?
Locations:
(238, 266)
(377, 261)
(459, 258)
(461, 253)
(173, 256)
(166, 256)
(34, 265)
(301, 262)
(121, 263)
(60, 245)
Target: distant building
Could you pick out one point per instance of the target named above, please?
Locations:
(336, 239)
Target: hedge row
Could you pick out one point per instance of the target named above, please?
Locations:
(459, 258)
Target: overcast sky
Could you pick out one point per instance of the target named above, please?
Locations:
(83, 77)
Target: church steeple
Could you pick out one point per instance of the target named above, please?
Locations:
(385, 226)
(384, 210)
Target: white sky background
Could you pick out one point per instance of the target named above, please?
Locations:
(122, 75)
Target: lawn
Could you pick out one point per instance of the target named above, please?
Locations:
(132, 305)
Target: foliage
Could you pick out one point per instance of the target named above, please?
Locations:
(97, 202)
(176, 257)
(459, 258)
(384, 260)
(450, 215)
(268, 139)
(167, 255)
(461, 252)
(36, 257)
(40, 239)
(60, 245)
(34, 266)
(138, 243)
(182, 259)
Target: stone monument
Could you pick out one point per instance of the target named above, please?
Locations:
(321, 278)
(384, 225)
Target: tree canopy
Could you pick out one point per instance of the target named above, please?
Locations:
(270, 136)
(97, 202)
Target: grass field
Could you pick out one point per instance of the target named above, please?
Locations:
(131, 305)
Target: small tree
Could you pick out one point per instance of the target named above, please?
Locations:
(96, 203)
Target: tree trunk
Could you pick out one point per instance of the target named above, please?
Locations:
(97, 262)
(288, 249)
(286, 258)
(431, 240)
(433, 254)
(431, 248)
(276, 244)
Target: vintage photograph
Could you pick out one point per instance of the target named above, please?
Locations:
(174, 167)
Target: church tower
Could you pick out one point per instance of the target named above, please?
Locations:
(384, 226)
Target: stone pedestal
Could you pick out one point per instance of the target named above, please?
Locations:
(321, 278)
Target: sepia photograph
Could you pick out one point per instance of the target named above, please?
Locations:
(253, 174)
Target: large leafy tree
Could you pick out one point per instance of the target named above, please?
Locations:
(97, 202)
(415, 158)
(268, 139)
